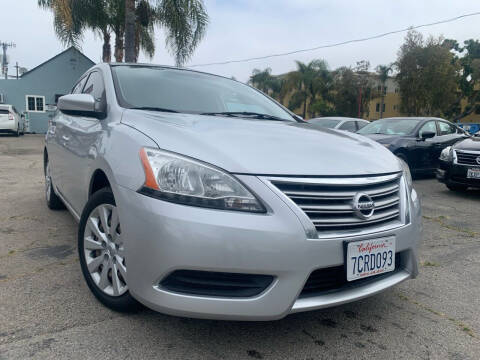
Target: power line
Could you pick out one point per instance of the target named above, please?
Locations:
(339, 43)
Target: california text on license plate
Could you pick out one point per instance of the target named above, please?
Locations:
(473, 173)
(370, 257)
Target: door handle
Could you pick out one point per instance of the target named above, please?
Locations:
(66, 138)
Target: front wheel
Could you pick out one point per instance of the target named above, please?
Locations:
(102, 253)
(452, 187)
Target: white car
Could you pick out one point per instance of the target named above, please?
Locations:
(340, 123)
(10, 120)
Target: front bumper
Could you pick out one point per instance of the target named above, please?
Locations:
(456, 174)
(164, 237)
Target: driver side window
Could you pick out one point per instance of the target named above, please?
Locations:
(428, 127)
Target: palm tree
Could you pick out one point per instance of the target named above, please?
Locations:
(383, 71)
(261, 79)
(307, 82)
(184, 22)
(72, 18)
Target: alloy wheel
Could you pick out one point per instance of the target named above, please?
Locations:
(104, 251)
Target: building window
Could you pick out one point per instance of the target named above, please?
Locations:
(35, 103)
(397, 90)
(377, 107)
(395, 107)
(383, 107)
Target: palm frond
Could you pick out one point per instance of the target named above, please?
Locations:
(185, 23)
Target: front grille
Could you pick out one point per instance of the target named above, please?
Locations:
(331, 279)
(220, 284)
(329, 203)
(467, 158)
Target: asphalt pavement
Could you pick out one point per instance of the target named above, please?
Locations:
(47, 311)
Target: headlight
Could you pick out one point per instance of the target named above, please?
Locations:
(406, 172)
(181, 180)
(447, 154)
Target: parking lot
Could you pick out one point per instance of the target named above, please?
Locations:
(47, 311)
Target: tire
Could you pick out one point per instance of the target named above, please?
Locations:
(17, 134)
(452, 187)
(101, 253)
(53, 201)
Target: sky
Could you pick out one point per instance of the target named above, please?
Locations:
(241, 29)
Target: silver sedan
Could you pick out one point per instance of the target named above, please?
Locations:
(199, 196)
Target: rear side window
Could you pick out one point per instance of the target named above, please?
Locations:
(348, 126)
(361, 124)
(446, 129)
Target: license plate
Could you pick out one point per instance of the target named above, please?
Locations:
(370, 257)
(473, 173)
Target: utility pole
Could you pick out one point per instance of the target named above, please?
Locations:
(16, 67)
(5, 46)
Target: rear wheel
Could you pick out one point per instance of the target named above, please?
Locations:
(53, 201)
(102, 254)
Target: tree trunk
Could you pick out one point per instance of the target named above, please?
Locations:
(304, 107)
(107, 49)
(382, 101)
(130, 20)
(118, 45)
(137, 42)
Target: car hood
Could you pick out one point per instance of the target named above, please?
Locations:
(472, 143)
(262, 147)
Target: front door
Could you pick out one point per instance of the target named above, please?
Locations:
(83, 137)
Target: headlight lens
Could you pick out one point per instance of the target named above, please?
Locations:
(447, 154)
(406, 172)
(181, 180)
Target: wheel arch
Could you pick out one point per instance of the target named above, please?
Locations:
(98, 181)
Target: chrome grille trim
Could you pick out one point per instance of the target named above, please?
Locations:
(466, 157)
(326, 203)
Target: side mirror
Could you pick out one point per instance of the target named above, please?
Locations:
(427, 135)
(80, 105)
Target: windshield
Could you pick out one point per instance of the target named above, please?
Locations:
(390, 127)
(184, 91)
(328, 123)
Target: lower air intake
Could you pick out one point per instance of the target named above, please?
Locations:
(218, 284)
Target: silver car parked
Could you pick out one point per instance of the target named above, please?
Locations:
(199, 196)
(340, 123)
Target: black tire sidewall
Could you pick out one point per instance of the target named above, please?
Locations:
(124, 302)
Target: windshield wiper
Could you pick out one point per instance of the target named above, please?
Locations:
(152, 108)
(249, 114)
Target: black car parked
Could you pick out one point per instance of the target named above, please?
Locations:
(460, 165)
(419, 141)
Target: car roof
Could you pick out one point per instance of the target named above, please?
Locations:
(113, 64)
(418, 118)
(340, 118)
